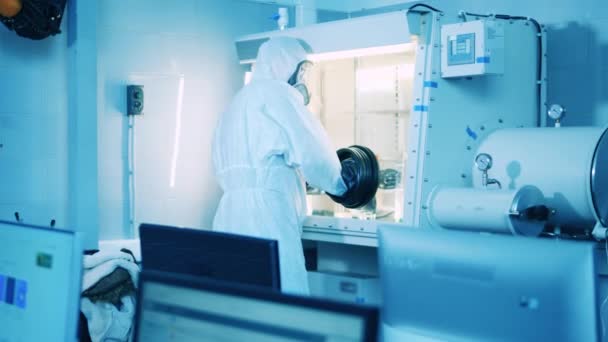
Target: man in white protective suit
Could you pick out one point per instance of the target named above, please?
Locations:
(266, 145)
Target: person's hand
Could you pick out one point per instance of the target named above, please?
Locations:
(360, 173)
(349, 174)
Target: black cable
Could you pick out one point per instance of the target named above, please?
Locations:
(425, 6)
(539, 29)
(478, 15)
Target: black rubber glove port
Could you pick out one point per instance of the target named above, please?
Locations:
(360, 172)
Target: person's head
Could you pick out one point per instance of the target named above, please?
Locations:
(283, 59)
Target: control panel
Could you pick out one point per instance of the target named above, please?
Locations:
(472, 48)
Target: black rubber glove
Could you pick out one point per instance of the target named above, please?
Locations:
(360, 173)
(349, 175)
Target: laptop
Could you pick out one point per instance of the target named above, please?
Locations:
(175, 307)
(40, 279)
(210, 254)
(464, 286)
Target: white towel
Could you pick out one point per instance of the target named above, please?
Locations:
(93, 275)
(91, 261)
(105, 321)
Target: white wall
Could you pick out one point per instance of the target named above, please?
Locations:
(147, 42)
(33, 128)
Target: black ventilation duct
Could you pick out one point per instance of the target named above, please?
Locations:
(37, 19)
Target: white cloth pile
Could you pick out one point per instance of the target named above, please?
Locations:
(109, 270)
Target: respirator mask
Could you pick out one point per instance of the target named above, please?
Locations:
(300, 78)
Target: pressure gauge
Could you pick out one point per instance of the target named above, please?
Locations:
(556, 112)
(483, 161)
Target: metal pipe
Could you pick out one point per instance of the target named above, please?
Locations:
(306, 12)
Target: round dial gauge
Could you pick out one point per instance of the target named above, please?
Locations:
(556, 112)
(483, 161)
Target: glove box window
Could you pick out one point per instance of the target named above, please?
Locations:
(366, 101)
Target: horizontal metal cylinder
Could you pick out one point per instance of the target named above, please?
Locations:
(495, 211)
(566, 164)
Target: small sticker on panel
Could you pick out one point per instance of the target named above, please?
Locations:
(9, 297)
(13, 291)
(44, 260)
(20, 294)
(348, 287)
(471, 133)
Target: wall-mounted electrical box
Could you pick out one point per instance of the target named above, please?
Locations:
(135, 99)
(472, 48)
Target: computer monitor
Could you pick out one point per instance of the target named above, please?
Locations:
(205, 253)
(173, 307)
(463, 286)
(40, 278)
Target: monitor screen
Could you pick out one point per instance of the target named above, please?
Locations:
(178, 308)
(210, 254)
(463, 286)
(40, 277)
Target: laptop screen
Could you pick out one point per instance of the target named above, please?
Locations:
(172, 311)
(462, 286)
(210, 254)
(40, 277)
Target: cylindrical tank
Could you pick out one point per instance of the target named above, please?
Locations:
(495, 211)
(569, 165)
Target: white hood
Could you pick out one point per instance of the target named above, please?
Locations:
(278, 59)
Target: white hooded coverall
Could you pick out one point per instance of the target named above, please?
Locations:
(266, 144)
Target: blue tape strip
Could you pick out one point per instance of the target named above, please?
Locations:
(420, 108)
(471, 134)
(2, 288)
(483, 60)
(9, 298)
(21, 294)
(430, 84)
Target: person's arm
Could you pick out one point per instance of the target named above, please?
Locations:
(308, 145)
